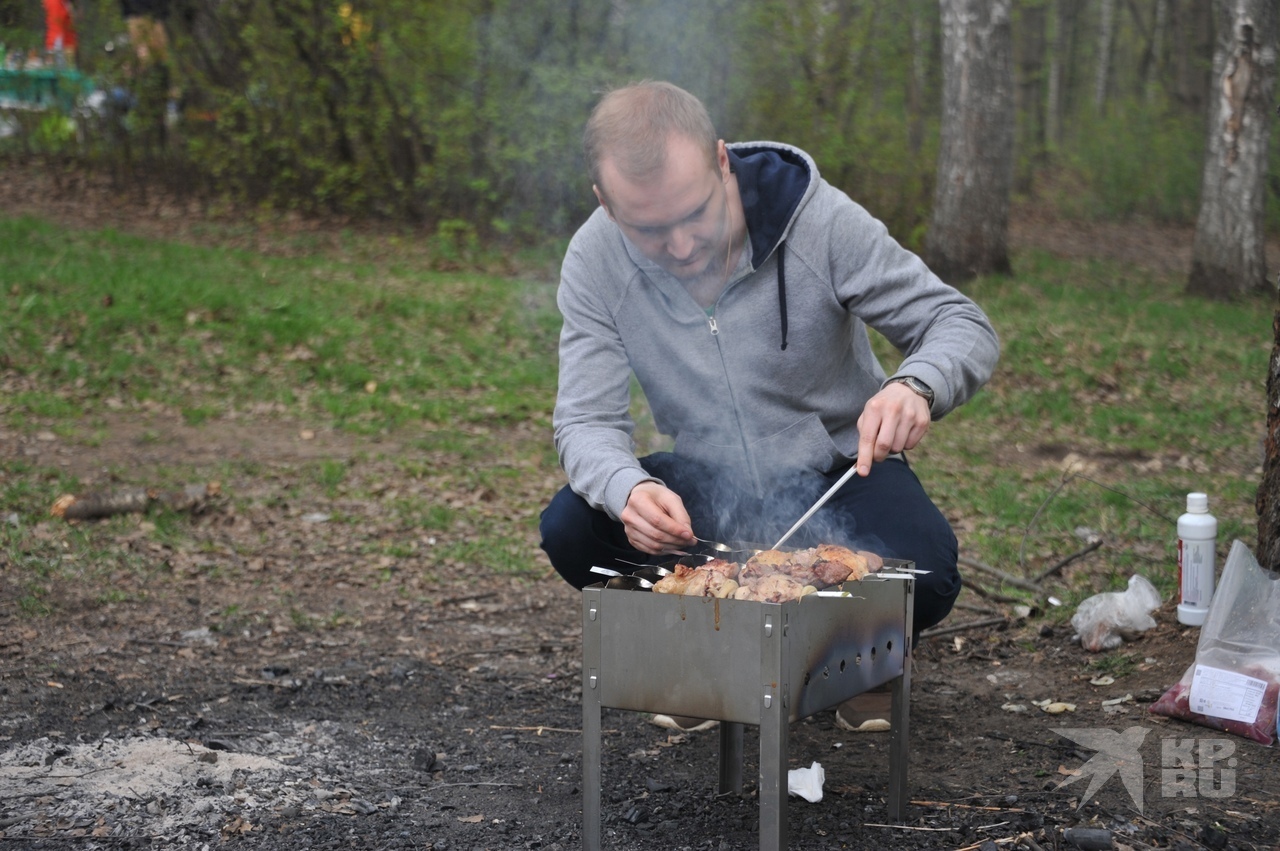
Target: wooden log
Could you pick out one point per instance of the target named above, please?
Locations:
(94, 506)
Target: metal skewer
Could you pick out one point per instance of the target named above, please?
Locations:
(822, 500)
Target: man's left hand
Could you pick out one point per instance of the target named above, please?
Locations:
(894, 420)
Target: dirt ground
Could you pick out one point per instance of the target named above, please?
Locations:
(215, 710)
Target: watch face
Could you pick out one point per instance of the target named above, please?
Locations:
(919, 387)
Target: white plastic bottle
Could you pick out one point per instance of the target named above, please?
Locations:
(1197, 535)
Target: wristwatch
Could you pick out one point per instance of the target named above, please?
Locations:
(915, 385)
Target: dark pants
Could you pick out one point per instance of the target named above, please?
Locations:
(888, 513)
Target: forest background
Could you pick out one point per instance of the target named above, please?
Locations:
(463, 117)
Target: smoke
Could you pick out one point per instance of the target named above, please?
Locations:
(724, 508)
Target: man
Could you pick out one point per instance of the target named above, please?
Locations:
(737, 286)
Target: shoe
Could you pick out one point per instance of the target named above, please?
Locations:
(867, 712)
(683, 723)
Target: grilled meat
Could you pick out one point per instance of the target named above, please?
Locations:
(700, 581)
(771, 576)
(774, 588)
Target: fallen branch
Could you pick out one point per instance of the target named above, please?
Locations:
(1004, 841)
(538, 730)
(448, 601)
(155, 642)
(970, 607)
(961, 627)
(1007, 578)
(968, 806)
(1066, 561)
(995, 734)
(986, 593)
(477, 783)
(93, 506)
(544, 647)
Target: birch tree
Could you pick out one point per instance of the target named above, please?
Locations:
(969, 234)
(1228, 255)
(1053, 94)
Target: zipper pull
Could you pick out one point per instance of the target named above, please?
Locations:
(715, 329)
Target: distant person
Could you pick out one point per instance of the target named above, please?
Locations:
(155, 99)
(738, 287)
(145, 22)
(60, 32)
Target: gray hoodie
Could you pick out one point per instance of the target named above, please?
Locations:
(774, 377)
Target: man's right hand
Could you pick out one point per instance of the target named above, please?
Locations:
(656, 520)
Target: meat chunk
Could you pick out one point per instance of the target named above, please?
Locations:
(821, 566)
(696, 582)
(774, 588)
(841, 558)
(874, 562)
(764, 563)
(727, 569)
(828, 573)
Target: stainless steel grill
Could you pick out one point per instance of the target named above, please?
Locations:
(745, 662)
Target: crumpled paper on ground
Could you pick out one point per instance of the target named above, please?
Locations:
(807, 782)
(1105, 620)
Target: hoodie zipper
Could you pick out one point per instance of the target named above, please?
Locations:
(714, 326)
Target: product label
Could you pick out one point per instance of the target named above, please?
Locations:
(1226, 694)
(1195, 571)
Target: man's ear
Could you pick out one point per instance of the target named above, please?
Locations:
(603, 203)
(722, 159)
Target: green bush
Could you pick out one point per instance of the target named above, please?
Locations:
(1139, 160)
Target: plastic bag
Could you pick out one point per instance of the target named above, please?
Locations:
(1234, 683)
(807, 782)
(1104, 620)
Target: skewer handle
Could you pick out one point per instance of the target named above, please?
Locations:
(822, 500)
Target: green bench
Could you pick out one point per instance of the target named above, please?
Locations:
(43, 88)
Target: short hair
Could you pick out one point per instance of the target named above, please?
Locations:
(631, 124)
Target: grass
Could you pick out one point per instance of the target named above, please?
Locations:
(1115, 664)
(1115, 396)
(89, 319)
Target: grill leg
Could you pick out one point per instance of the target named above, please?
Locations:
(773, 776)
(730, 758)
(900, 721)
(591, 614)
(590, 774)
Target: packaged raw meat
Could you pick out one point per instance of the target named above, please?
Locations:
(1234, 683)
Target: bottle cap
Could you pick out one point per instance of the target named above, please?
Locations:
(1197, 503)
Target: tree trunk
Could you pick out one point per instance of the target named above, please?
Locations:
(921, 48)
(1228, 255)
(1191, 31)
(1053, 93)
(1029, 101)
(969, 232)
(1155, 62)
(1106, 36)
(1267, 500)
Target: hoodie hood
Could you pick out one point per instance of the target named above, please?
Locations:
(773, 180)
